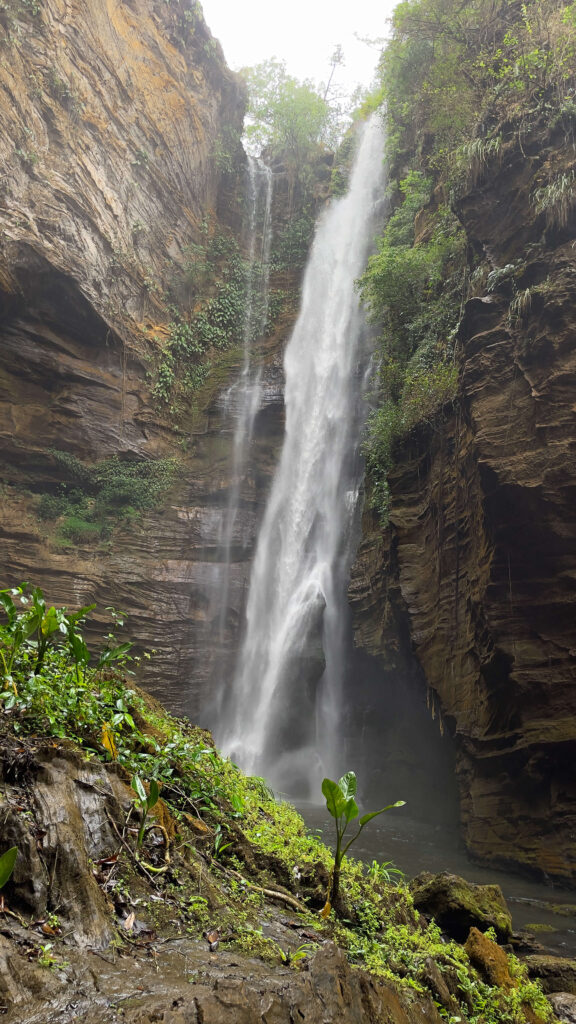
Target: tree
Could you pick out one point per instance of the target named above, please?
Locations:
(284, 115)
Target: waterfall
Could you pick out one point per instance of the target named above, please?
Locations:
(282, 714)
(241, 401)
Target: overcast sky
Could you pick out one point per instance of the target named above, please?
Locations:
(304, 33)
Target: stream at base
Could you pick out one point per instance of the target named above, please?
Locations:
(416, 846)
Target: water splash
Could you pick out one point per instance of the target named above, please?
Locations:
(282, 715)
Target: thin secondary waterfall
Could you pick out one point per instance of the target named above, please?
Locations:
(282, 715)
(242, 399)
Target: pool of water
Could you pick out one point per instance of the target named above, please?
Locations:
(416, 846)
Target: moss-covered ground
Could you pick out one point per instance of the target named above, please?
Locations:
(225, 859)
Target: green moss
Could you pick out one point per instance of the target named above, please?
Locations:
(382, 931)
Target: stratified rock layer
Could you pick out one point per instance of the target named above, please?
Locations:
(481, 550)
(116, 124)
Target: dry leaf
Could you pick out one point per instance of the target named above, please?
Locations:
(129, 922)
(108, 740)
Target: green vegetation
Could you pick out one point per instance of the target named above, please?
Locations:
(453, 71)
(205, 808)
(342, 806)
(557, 199)
(293, 122)
(7, 862)
(214, 283)
(413, 288)
(284, 115)
(463, 83)
(93, 497)
(144, 802)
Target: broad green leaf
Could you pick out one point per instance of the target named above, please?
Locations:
(38, 600)
(7, 861)
(335, 801)
(154, 794)
(79, 649)
(374, 814)
(138, 787)
(30, 624)
(351, 809)
(8, 605)
(75, 617)
(347, 785)
(50, 622)
(113, 654)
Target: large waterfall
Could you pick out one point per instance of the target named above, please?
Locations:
(282, 714)
(241, 401)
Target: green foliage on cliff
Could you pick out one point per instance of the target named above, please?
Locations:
(413, 289)
(460, 82)
(215, 282)
(452, 67)
(92, 497)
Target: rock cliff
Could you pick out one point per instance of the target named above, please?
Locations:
(480, 555)
(119, 141)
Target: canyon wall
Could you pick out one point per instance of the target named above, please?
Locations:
(479, 560)
(120, 147)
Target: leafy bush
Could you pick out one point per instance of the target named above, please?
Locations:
(110, 489)
(413, 288)
(291, 245)
(216, 325)
(557, 199)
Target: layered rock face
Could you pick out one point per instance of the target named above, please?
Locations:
(119, 139)
(481, 551)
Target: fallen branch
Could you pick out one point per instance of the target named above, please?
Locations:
(274, 894)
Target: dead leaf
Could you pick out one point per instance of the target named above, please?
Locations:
(108, 861)
(108, 740)
(129, 922)
(213, 936)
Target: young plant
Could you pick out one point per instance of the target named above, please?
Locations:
(144, 802)
(219, 844)
(383, 872)
(344, 809)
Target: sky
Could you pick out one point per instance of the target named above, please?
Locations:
(304, 33)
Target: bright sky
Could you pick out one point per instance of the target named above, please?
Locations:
(304, 33)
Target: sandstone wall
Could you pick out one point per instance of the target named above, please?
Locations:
(481, 550)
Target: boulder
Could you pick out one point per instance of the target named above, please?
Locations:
(564, 1006)
(489, 959)
(458, 905)
(555, 973)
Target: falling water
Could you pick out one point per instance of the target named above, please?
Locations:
(242, 399)
(282, 714)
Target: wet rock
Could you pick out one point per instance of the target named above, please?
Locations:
(436, 982)
(189, 985)
(564, 1006)
(458, 905)
(482, 538)
(75, 801)
(555, 973)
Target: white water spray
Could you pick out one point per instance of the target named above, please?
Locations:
(242, 399)
(282, 715)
